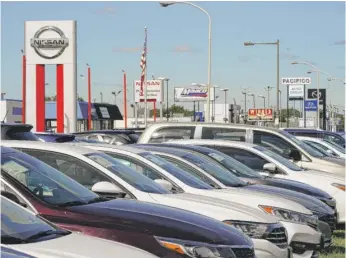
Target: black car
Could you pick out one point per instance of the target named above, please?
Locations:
(228, 177)
(21, 132)
(114, 137)
(164, 231)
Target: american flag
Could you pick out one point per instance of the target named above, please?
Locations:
(143, 64)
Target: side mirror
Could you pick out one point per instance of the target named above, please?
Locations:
(295, 155)
(104, 187)
(164, 183)
(270, 167)
(13, 198)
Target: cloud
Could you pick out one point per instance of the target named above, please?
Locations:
(126, 49)
(183, 49)
(339, 42)
(106, 11)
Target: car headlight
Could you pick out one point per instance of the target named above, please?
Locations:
(251, 229)
(339, 186)
(196, 249)
(291, 216)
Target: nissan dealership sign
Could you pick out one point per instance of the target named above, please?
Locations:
(191, 94)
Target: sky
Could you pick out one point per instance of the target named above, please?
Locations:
(110, 38)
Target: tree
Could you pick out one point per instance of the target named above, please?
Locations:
(53, 98)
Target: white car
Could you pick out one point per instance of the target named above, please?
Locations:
(158, 169)
(279, 141)
(23, 231)
(104, 175)
(259, 158)
(324, 145)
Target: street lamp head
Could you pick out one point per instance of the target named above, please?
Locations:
(113, 92)
(261, 96)
(224, 89)
(309, 72)
(249, 44)
(294, 63)
(123, 70)
(165, 4)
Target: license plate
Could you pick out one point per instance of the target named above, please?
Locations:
(290, 253)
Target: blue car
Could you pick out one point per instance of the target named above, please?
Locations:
(333, 137)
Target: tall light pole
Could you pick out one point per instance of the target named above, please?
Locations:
(115, 95)
(225, 91)
(268, 89)
(318, 89)
(264, 100)
(164, 79)
(254, 99)
(165, 4)
(277, 43)
(214, 102)
(125, 97)
(101, 95)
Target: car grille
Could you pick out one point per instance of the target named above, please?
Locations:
(244, 252)
(314, 226)
(278, 237)
(330, 220)
(330, 202)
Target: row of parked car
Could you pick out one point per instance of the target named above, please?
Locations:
(172, 190)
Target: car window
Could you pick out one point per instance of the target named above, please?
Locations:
(18, 224)
(290, 165)
(93, 137)
(335, 139)
(319, 147)
(302, 145)
(183, 176)
(72, 167)
(189, 169)
(229, 134)
(234, 166)
(121, 168)
(106, 138)
(247, 158)
(47, 183)
(172, 133)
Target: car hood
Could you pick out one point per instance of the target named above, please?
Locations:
(241, 195)
(290, 185)
(338, 161)
(160, 220)
(321, 175)
(214, 208)
(76, 245)
(307, 201)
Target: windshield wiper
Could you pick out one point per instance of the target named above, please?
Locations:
(73, 203)
(99, 199)
(239, 185)
(46, 233)
(8, 240)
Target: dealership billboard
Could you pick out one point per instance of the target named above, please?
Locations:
(191, 94)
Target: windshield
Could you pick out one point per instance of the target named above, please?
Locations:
(302, 145)
(47, 183)
(319, 147)
(234, 165)
(290, 165)
(17, 224)
(127, 174)
(215, 170)
(335, 146)
(183, 176)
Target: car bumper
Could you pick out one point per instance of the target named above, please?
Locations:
(302, 238)
(326, 239)
(339, 197)
(266, 249)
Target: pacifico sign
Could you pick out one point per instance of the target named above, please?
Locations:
(49, 48)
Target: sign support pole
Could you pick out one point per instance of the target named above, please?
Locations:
(304, 106)
(287, 110)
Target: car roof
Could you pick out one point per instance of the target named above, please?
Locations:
(221, 125)
(53, 134)
(215, 142)
(118, 131)
(108, 146)
(48, 146)
(310, 138)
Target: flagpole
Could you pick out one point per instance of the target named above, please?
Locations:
(145, 86)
